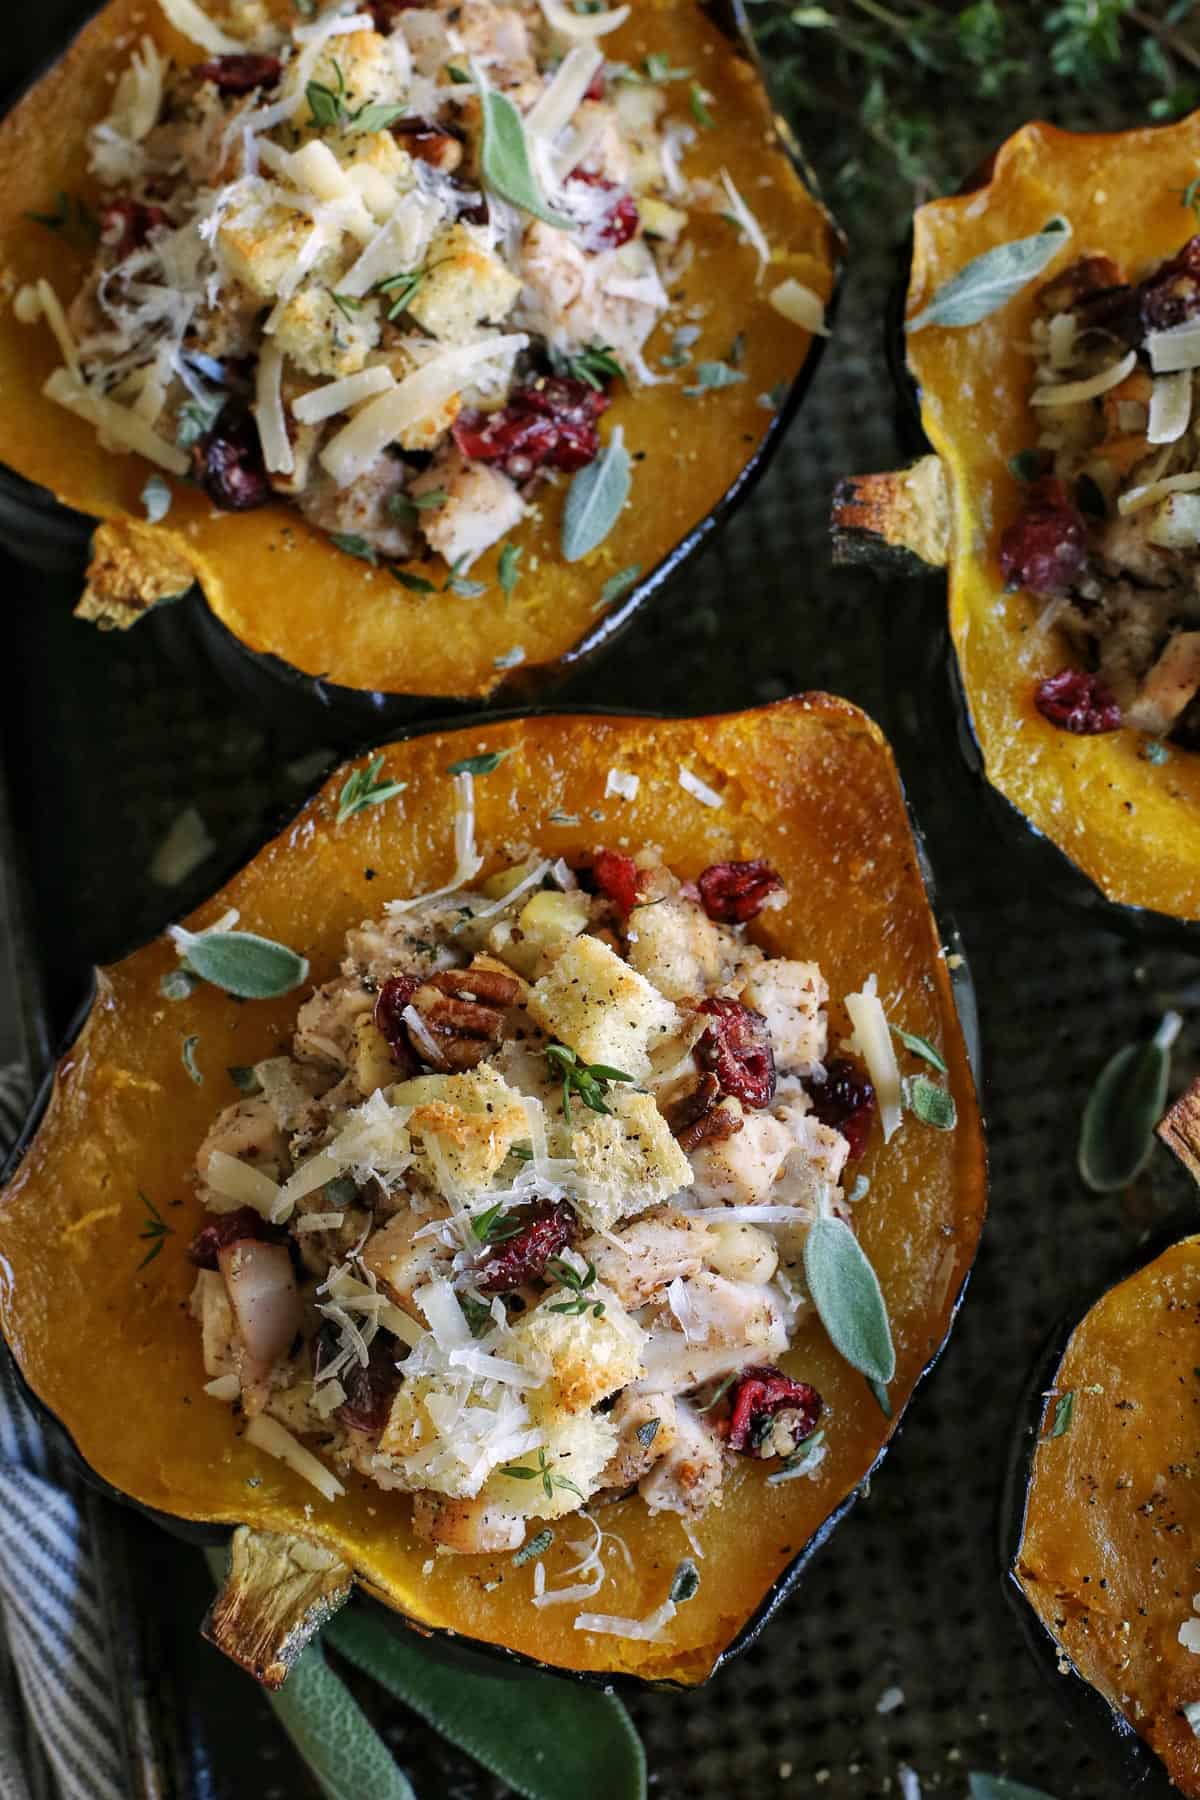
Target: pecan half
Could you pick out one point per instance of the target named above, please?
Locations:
(699, 1116)
(461, 1013)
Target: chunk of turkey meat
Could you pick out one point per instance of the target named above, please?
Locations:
(688, 1478)
(660, 1247)
(249, 1131)
(635, 1456)
(481, 506)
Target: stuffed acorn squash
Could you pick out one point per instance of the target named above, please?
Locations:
(427, 339)
(1102, 1513)
(1052, 336)
(557, 1183)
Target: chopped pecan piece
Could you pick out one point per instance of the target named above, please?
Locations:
(461, 1012)
(699, 1116)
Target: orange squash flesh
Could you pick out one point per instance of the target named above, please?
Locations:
(1107, 1558)
(278, 584)
(808, 783)
(1131, 826)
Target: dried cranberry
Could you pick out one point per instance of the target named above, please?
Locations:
(597, 87)
(1046, 547)
(125, 225)
(228, 463)
(229, 1228)
(241, 72)
(758, 1395)
(1078, 702)
(844, 1099)
(549, 424)
(1172, 294)
(619, 223)
(523, 1258)
(734, 892)
(370, 1389)
(617, 878)
(737, 1049)
(390, 1003)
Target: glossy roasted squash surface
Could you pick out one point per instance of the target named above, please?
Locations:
(1132, 826)
(1107, 1554)
(278, 584)
(810, 784)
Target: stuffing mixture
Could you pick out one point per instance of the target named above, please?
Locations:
(1110, 527)
(519, 1220)
(387, 263)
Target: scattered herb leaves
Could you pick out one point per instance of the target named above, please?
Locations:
(244, 1077)
(921, 1047)
(714, 375)
(930, 1102)
(698, 101)
(549, 1480)
(618, 584)
(537, 1546)
(484, 764)
(685, 1583)
(189, 1060)
(506, 164)
(477, 1314)
(177, 984)
(593, 365)
(849, 1301)
(243, 964)
(1064, 1411)
(401, 290)
(495, 1225)
(363, 788)
(353, 545)
(989, 281)
(882, 1398)
(577, 1284)
(72, 219)
(508, 571)
(590, 1081)
(647, 1433)
(155, 1231)
(595, 499)
(459, 583)
(1116, 1134)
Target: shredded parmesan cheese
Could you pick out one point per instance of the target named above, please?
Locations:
(342, 396)
(269, 414)
(1176, 348)
(872, 1040)
(225, 1387)
(117, 422)
(268, 1434)
(329, 1221)
(556, 107)
(193, 23)
(699, 790)
(235, 1180)
(647, 1630)
(622, 783)
(570, 24)
(50, 308)
(1133, 499)
(800, 306)
(467, 861)
(1170, 407)
(1073, 393)
(755, 234)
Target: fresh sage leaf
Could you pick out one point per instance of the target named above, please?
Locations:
(177, 984)
(595, 498)
(251, 967)
(189, 1060)
(1116, 1136)
(508, 569)
(1000, 1787)
(882, 1398)
(483, 764)
(989, 282)
(537, 1546)
(244, 1077)
(930, 1102)
(685, 1584)
(334, 1736)
(618, 584)
(353, 545)
(507, 168)
(714, 375)
(1064, 1411)
(564, 1740)
(921, 1047)
(849, 1301)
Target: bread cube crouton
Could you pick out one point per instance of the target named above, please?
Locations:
(544, 926)
(628, 1159)
(480, 507)
(675, 945)
(465, 285)
(359, 68)
(587, 1358)
(462, 1126)
(604, 1010)
(259, 243)
(578, 1447)
(376, 150)
(472, 1527)
(790, 996)
(323, 338)
(444, 1435)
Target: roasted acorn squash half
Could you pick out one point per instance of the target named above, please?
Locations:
(290, 614)
(1108, 823)
(1100, 1515)
(110, 1351)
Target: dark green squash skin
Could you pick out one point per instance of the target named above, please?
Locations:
(38, 529)
(445, 1645)
(929, 667)
(1111, 1734)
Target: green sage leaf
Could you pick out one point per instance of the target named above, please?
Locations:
(1064, 1411)
(334, 1736)
(618, 584)
(189, 1060)
(931, 1103)
(685, 1584)
(714, 375)
(507, 169)
(989, 282)
(595, 498)
(561, 1741)
(1000, 1787)
(251, 967)
(1116, 1136)
(921, 1047)
(483, 764)
(849, 1301)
